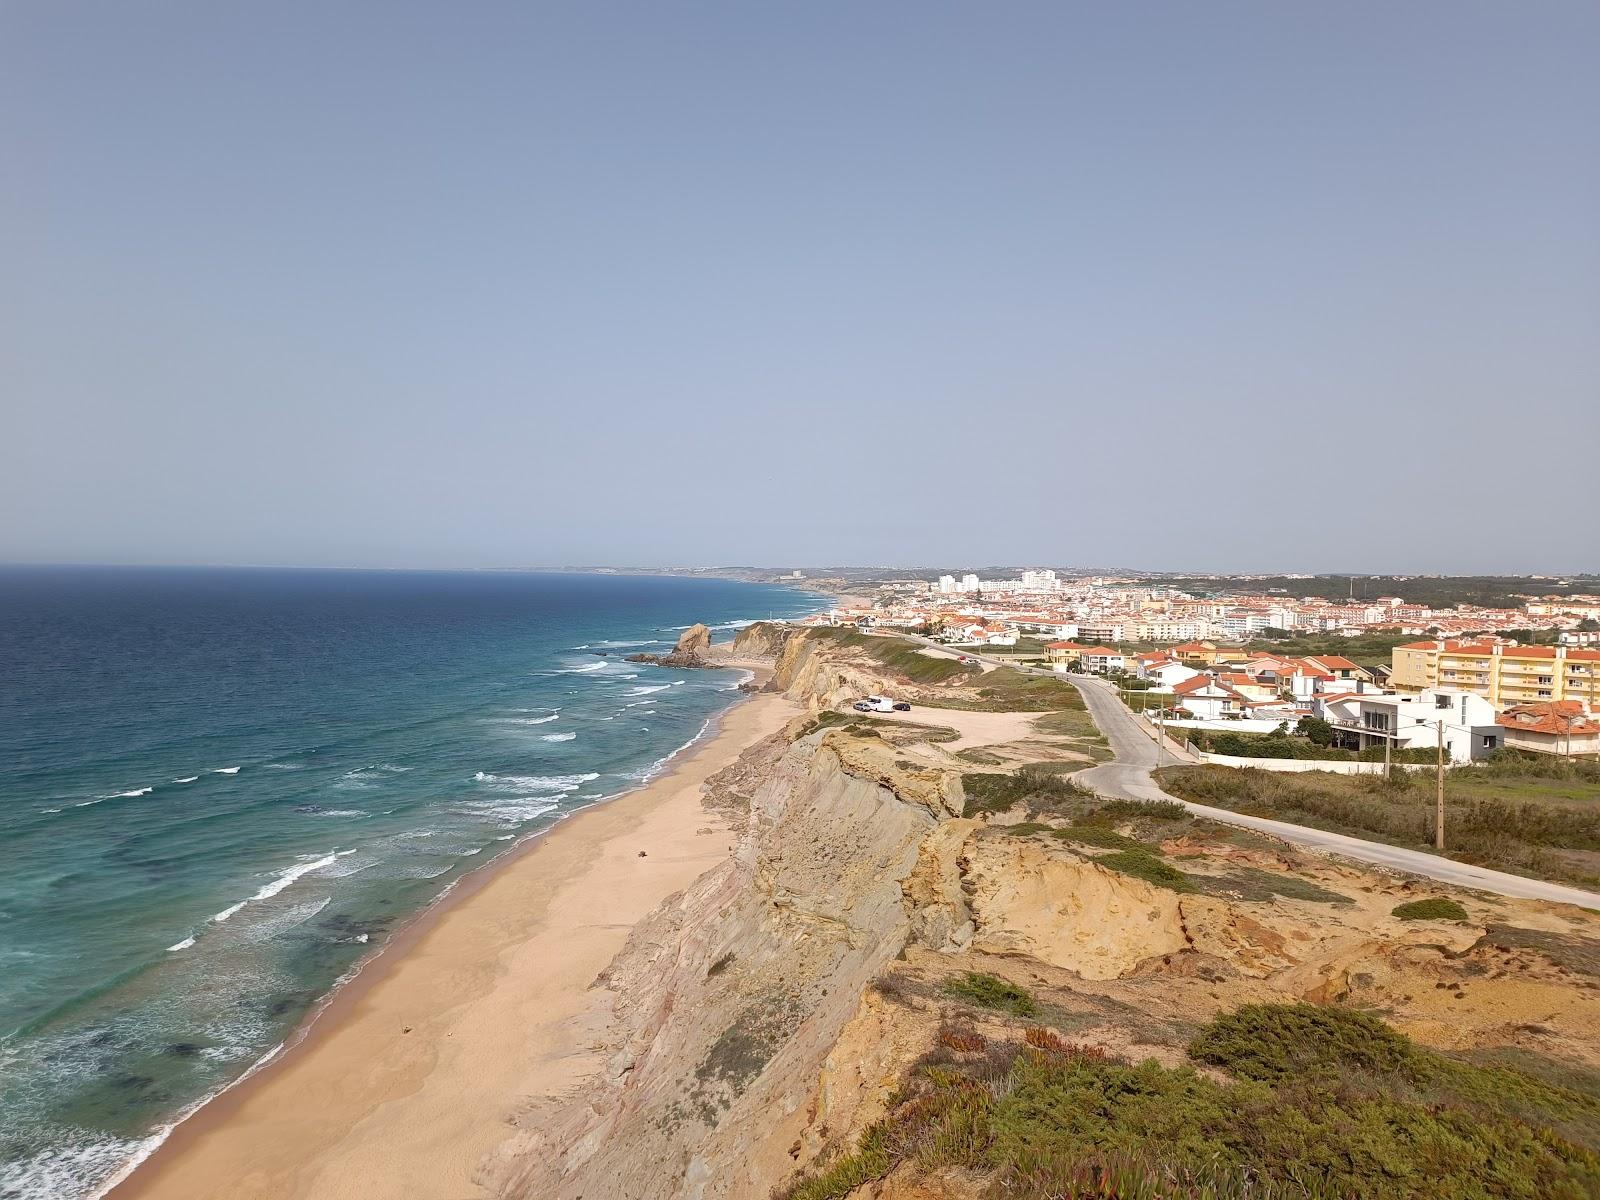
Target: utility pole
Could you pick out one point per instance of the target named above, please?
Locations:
(1438, 820)
(1161, 734)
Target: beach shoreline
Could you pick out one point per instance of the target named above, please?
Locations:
(409, 1074)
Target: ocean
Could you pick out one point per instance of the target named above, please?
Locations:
(221, 789)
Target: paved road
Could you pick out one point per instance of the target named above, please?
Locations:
(1129, 777)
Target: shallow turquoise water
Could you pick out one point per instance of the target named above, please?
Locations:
(220, 789)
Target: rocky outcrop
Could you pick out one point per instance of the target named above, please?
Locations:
(693, 650)
(764, 639)
(1027, 898)
(806, 671)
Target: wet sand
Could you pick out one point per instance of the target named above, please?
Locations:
(409, 1076)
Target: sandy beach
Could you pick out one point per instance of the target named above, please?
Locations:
(410, 1075)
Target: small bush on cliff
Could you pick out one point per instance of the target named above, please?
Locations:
(1437, 908)
(1112, 811)
(990, 991)
(1041, 791)
(1143, 864)
(1275, 1042)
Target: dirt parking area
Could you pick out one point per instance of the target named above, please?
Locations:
(975, 728)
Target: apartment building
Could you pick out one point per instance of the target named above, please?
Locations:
(1505, 675)
(1165, 630)
(1101, 630)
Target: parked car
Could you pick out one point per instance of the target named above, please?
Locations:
(901, 706)
(861, 706)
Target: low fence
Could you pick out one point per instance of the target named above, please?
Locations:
(1338, 766)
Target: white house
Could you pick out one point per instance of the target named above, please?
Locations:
(1464, 720)
(1164, 674)
(1210, 699)
(1100, 659)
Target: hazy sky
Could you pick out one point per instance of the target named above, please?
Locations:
(1188, 285)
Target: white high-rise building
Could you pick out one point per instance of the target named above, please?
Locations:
(969, 583)
(946, 585)
(1039, 581)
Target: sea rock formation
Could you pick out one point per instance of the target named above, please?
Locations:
(693, 650)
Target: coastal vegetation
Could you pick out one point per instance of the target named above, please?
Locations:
(1040, 790)
(1005, 689)
(1528, 814)
(1437, 908)
(1298, 1101)
(992, 992)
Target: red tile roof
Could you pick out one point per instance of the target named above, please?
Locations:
(1552, 717)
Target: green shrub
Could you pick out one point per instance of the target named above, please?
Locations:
(1142, 864)
(1276, 1042)
(1100, 837)
(1140, 810)
(990, 991)
(1437, 908)
(870, 1161)
(993, 791)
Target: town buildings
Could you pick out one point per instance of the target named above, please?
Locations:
(1505, 673)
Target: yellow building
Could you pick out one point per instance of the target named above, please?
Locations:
(1506, 675)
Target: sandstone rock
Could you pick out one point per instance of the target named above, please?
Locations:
(693, 650)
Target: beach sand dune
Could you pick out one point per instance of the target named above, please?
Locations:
(414, 1071)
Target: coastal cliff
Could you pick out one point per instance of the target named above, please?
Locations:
(758, 1022)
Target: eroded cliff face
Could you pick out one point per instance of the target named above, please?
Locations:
(726, 1002)
(806, 671)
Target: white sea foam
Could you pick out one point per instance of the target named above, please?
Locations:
(282, 880)
(186, 779)
(599, 666)
(516, 810)
(67, 1170)
(281, 922)
(369, 776)
(183, 945)
(645, 689)
(226, 771)
(534, 783)
(558, 737)
(144, 791)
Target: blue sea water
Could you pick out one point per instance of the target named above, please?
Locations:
(221, 789)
